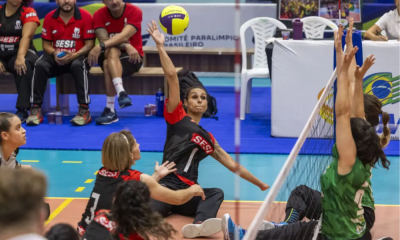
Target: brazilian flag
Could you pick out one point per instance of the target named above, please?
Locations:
(383, 86)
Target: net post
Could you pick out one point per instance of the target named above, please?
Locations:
(237, 114)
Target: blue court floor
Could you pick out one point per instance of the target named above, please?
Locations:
(71, 174)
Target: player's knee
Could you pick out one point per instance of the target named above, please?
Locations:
(218, 193)
(77, 65)
(112, 54)
(40, 65)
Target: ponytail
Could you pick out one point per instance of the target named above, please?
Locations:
(385, 137)
(132, 213)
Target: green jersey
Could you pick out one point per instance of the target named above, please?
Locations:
(368, 199)
(342, 211)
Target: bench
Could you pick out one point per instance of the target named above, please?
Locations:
(7, 86)
(145, 82)
(197, 59)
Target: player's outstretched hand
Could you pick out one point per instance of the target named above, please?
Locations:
(338, 39)
(360, 71)
(349, 36)
(164, 169)
(155, 34)
(348, 58)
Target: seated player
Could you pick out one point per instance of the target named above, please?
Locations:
(18, 23)
(187, 143)
(389, 22)
(131, 217)
(75, 40)
(120, 151)
(344, 182)
(12, 136)
(118, 27)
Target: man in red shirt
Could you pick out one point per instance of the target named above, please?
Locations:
(67, 30)
(120, 53)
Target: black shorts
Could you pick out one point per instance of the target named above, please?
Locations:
(127, 67)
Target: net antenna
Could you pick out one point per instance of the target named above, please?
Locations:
(287, 167)
(237, 113)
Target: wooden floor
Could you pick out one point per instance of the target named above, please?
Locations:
(70, 210)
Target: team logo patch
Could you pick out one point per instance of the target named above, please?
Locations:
(105, 222)
(199, 140)
(18, 24)
(76, 33)
(105, 173)
(30, 15)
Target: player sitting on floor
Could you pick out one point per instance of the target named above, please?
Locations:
(120, 151)
(187, 143)
(12, 136)
(131, 217)
(345, 181)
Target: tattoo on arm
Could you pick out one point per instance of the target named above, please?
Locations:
(102, 35)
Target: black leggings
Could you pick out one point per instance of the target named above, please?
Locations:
(24, 82)
(196, 207)
(307, 202)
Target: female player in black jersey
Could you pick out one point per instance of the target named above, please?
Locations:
(120, 151)
(18, 23)
(187, 143)
(131, 217)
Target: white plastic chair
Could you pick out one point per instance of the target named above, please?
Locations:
(263, 29)
(314, 27)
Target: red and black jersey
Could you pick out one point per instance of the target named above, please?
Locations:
(103, 193)
(187, 144)
(103, 227)
(132, 15)
(71, 36)
(11, 28)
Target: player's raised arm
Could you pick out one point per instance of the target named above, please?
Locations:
(344, 138)
(168, 67)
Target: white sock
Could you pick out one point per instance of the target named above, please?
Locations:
(110, 103)
(118, 85)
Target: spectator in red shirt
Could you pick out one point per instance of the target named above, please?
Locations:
(18, 23)
(120, 53)
(67, 30)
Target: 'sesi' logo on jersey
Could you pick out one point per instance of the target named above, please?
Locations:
(199, 140)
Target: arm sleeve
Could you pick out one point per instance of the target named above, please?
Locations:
(175, 116)
(46, 29)
(135, 18)
(98, 20)
(383, 21)
(88, 30)
(30, 15)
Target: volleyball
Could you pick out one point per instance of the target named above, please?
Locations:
(174, 20)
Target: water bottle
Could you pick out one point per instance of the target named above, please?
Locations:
(297, 29)
(160, 103)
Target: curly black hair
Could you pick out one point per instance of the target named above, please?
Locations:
(132, 213)
(62, 231)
